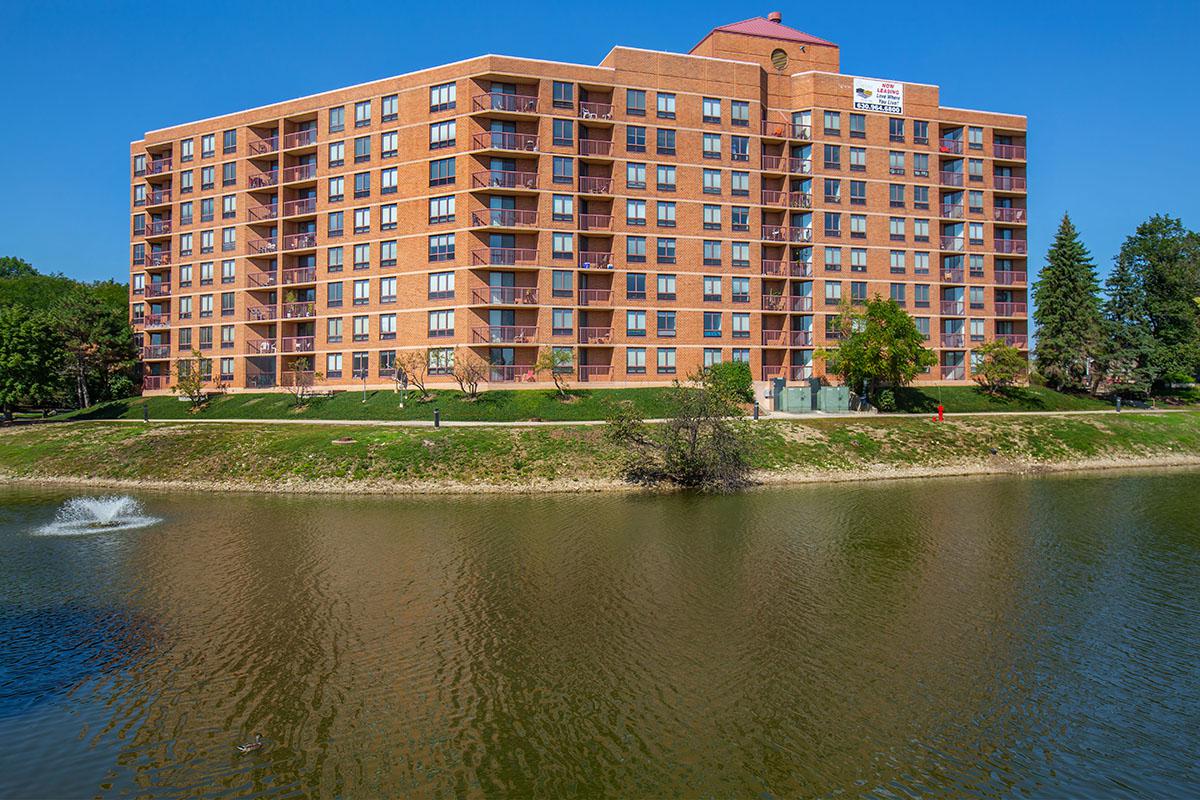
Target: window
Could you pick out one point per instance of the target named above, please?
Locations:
(712, 181)
(920, 197)
(441, 134)
(562, 283)
(635, 138)
(635, 102)
(858, 259)
(361, 327)
(206, 209)
(441, 323)
(975, 138)
(740, 329)
(712, 217)
(229, 173)
(858, 159)
(665, 323)
(337, 189)
(337, 119)
(666, 287)
(441, 360)
(833, 156)
(833, 190)
(564, 132)
(739, 183)
(362, 113)
(362, 220)
(387, 290)
(333, 259)
(635, 360)
(833, 223)
(635, 175)
(895, 162)
(635, 322)
(206, 305)
(563, 207)
(833, 259)
(229, 206)
(441, 285)
(740, 289)
(185, 182)
(896, 292)
(389, 144)
(739, 113)
(187, 149)
(564, 94)
(858, 193)
(635, 286)
(441, 247)
(388, 181)
(920, 132)
(666, 105)
(712, 253)
(185, 244)
(712, 288)
(897, 262)
(635, 249)
(858, 126)
(977, 330)
(896, 129)
(739, 148)
(921, 295)
(564, 170)
(711, 109)
(635, 212)
(226, 363)
(740, 254)
(666, 360)
(976, 296)
(387, 326)
(442, 97)
(229, 142)
(441, 171)
(387, 253)
(333, 365)
(362, 256)
(833, 123)
(665, 141)
(712, 145)
(562, 245)
(441, 209)
(921, 263)
(975, 169)
(208, 145)
(920, 165)
(833, 293)
(362, 149)
(562, 322)
(387, 217)
(896, 229)
(920, 230)
(228, 239)
(389, 108)
(362, 184)
(665, 177)
(337, 154)
(896, 195)
(712, 324)
(739, 218)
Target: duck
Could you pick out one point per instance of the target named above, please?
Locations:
(250, 747)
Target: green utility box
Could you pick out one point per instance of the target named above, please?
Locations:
(809, 398)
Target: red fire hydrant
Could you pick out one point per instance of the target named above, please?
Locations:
(941, 413)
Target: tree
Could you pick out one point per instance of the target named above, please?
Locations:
(733, 379)
(999, 367)
(300, 380)
(190, 376)
(469, 371)
(98, 341)
(413, 367)
(1127, 355)
(13, 267)
(1164, 260)
(31, 359)
(701, 445)
(1068, 312)
(560, 363)
(880, 347)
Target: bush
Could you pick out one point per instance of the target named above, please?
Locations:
(731, 379)
(885, 400)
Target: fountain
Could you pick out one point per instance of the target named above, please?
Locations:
(96, 514)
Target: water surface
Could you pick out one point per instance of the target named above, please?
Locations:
(991, 637)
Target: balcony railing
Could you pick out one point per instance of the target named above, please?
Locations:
(1010, 277)
(154, 383)
(156, 321)
(505, 296)
(1013, 339)
(595, 185)
(158, 197)
(774, 197)
(953, 340)
(952, 307)
(262, 246)
(794, 269)
(264, 146)
(299, 241)
(510, 373)
(1010, 215)
(591, 372)
(504, 179)
(505, 256)
(503, 101)
(505, 334)
(299, 172)
(503, 218)
(800, 372)
(300, 138)
(298, 344)
(263, 313)
(158, 259)
(591, 110)
(595, 297)
(1010, 152)
(263, 279)
(595, 335)
(158, 290)
(1008, 183)
(158, 227)
(785, 302)
(595, 222)
(595, 259)
(780, 338)
(770, 371)
(954, 373)
(951, 243)
(1016, 246)
(1010, 309)
(952, 210)
(951, 178)
(951, 275)
(595, 147)
(263, 179)
(262, 213)
(300, 275)
(158, 166)
(951, 146)
(786, 130)
(305, 205)
(261, 347)
(784, 233)
(156, 351)
(301, 310)
(261, 380)
(500, 140)
(787, 164)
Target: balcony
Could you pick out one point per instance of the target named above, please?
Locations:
(1012, 246)
(301, 310)
(786, 130)
(595, 335)
(800, 372)
(261, 347)
(158, 259)
(299, 241)
(1008, 183)
(301, 207)
(262, 246)
(595, 297)
(953, 340)
(952, 211)
(158, 290)
(592, 372)
(954, 373)
(783, 233)
(589, 184)
(297, 139)
(1009, 152)
(1011, 277)
(595, 147)
(156, 352)
(774, 197)
(780, 338)
(1018, 340)
(262, 313)
(802, 166)
(503, 179)
(262, 213)
(1010, 309)
(951, 275)
(595, 222)
(951, 243)
(263, 180)
(595, 111)
(770, 371)
(511, 373)
(505, 296)
(158, 227)
(264, 146)
(953, 308)
(950, 146)
(783, 269)
(951, 178)
(781, 302)
(155, 321)
(263, 280)
(497, 140)
(300, 275)
(158, 197)
(503, 101)
(298, 344)
(503, 218)
(158, 166)
(300, 172)
(595, 259)
(1010, 215)
(154, 383)
(504, 334)
(504, 256)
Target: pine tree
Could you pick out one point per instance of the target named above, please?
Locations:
(1067, 296)
(1128, 352)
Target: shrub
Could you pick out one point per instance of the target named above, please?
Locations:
(732, 380)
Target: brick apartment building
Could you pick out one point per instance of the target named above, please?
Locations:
(653, 214)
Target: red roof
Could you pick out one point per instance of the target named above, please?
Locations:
(761, 26)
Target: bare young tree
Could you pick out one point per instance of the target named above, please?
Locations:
(414, 366)
(560, 363)
(190, 378)
(469, 371)
(300, 380)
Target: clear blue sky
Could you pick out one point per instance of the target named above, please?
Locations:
(1110, 88)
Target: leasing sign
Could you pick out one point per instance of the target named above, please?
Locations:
(884, 96)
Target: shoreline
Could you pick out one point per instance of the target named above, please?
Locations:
(762, 479)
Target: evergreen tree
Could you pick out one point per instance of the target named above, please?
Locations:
(1127, 355)
(1068, 312)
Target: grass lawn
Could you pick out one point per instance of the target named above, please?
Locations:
(924, 400)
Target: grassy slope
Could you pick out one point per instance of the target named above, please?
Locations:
(524, 404)
(266, 454)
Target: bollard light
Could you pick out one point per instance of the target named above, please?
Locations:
(437, 418)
